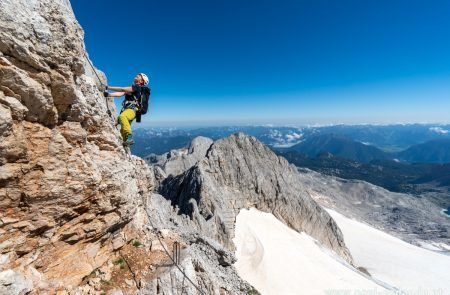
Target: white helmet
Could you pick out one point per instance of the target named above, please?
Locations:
(144, 77)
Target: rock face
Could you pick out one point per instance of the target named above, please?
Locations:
(240, 172)
(176, 162)
(66, 184)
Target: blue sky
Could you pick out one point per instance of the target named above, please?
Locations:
(222, 62)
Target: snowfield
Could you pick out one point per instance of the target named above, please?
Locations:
(394, 261)
(278, 260)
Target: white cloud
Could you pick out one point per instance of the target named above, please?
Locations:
(284, 140)
(293, 136)
(439, 130)
(274, 133)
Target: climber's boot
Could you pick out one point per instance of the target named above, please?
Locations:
(129, 140)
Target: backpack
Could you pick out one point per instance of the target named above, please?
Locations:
(144, 99)
(138, 100)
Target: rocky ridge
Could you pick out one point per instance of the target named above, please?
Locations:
(416, 220)
(240, 172)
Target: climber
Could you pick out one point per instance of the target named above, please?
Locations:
(134, 105)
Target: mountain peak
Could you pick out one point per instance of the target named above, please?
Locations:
(240, 172)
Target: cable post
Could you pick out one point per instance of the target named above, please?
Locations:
(176, 252)
(172, 258)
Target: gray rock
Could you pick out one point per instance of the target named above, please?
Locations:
(18, 111)
(13, 283)
(5, 120)
(157, 245)
(4, 258)
(176, 162)
(240, 172)
(411, 218)
(207, 263)
(118, 242)
(174, 281)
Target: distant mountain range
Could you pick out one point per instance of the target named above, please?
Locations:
(390, 138)
(392, 175)
(434, 151)
(341, 146)
(362, 143)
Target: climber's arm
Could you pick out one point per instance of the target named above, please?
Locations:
(128, 89)
(115, 94)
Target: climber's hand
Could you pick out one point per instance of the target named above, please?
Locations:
(105, 93)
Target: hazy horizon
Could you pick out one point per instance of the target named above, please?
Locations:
(194, 124)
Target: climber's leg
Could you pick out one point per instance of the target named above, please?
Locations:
(125, 119)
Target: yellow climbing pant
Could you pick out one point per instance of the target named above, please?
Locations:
(125, 119)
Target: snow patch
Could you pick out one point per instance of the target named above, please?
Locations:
(278, 260)
(392, 260)
(445, 212)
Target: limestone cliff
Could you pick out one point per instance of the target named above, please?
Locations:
(66, 184)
